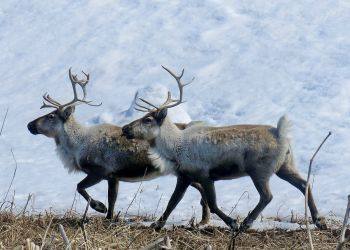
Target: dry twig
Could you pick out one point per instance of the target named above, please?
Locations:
(74, 200)
(153, 244)
(162, 243)
(307, 190)
(30, 245)
(45, 234)
(155, 212)
(343, 237)
(13, 177)
(232, 242)
(64, 236)
(3, 121)
(234, 207)
(84, 220)
(133, 199)
(167, 243)
(26, 205)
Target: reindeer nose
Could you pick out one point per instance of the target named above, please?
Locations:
(126, 132)
(32, 128)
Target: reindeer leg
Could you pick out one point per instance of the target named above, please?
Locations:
(113, 186)
(263, 187)
(210, 194)
(204, 203)
(87, 182)
(180, 189)
(289, 173)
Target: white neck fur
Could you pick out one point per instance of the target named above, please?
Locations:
(169, 140)
(69, 144)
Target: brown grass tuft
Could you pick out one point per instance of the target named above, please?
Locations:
(15, 230)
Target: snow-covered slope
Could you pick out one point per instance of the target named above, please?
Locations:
(252, 60)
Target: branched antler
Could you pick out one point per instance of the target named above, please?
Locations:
(169, 102)
(51, 103)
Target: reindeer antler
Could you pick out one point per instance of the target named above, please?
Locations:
(169, 103)
(53, 103)
(76, 101)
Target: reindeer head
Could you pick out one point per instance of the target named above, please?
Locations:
(52, 123)
(148, 127)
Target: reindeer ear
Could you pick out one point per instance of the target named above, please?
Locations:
(67, 112)
(160, 115)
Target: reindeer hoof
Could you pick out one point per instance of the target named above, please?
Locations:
(320, 222)
(157, 225)
(233, 225)
(245, 225)
(109, 216)
(203, 222)
(98, 206)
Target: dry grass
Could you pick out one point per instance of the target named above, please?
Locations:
(122, 235)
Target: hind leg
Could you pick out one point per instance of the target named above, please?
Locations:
(204, 203)
(113, 186)
(289, 173)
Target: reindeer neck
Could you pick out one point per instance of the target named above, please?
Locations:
(169, 139)
(72, 134)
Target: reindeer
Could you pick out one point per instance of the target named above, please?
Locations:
(99, 151)
(206, 154)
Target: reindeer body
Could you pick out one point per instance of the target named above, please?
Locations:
(101, 150)
(206, 154)
(222, 152)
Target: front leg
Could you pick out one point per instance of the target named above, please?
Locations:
(113, 186)
(180, 189)
(87, 182)
(210, 194)
(263, 187)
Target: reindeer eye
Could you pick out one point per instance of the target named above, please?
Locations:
(147, 120)
(51, 116)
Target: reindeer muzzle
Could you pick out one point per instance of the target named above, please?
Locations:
(126, 131)
(32, 128)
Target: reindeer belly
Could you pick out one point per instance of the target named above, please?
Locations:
(226, 171)
(137, 173)
(93, 168)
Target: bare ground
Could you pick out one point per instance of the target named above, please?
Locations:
(15, 230)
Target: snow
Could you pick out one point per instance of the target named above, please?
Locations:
(253, 61)
(259, 225)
